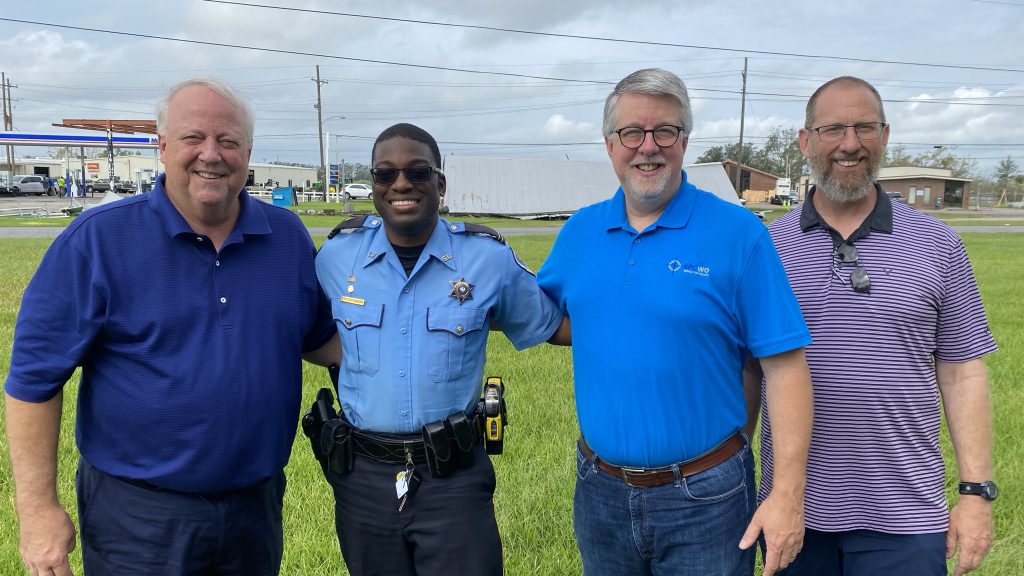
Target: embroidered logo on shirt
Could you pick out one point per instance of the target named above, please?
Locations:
(674, 265)
(704, 271)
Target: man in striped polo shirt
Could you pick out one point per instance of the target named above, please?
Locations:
(897, 321)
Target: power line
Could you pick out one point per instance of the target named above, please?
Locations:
(1003, 3)
(298, 53)
(609, 39)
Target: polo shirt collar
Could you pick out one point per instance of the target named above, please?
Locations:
(879, 220)
(251, 220)
(676, 214)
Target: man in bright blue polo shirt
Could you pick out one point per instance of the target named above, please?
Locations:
(188, 310)
(669, 289)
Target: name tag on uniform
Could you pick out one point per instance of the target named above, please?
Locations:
(351, 300)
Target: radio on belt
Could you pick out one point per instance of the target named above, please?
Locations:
(495, 414)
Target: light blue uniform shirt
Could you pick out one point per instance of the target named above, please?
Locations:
(413, 347)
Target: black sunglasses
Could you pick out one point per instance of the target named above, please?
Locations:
(859, 279)
(414, 174)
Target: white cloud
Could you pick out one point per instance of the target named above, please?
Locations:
(559, 126)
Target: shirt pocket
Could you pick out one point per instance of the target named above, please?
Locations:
(454, 336)
(359, 327)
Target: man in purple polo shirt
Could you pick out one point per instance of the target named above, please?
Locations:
(897, 321)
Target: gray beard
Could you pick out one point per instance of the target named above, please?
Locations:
(846, 192)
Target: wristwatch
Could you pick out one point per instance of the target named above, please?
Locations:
(986, 490)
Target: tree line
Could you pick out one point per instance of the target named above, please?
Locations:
(780, 155)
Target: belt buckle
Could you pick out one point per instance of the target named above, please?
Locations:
(638, 472)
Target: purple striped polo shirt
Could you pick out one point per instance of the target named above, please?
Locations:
(875, 461)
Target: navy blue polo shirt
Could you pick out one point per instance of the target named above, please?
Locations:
(663, 320)
(191, 359)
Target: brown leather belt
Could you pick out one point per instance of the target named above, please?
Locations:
(648, 477)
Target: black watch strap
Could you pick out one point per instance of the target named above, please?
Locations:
(986, 490)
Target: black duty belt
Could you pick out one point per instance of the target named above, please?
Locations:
(389, 448)
(648, 477)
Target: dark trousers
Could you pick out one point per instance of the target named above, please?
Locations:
(128, 527)
(869, 553)
(447, 527)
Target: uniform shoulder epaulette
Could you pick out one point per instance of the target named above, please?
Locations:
(348, 226)
(483, 231)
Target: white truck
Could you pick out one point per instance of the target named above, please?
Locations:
(784, 194)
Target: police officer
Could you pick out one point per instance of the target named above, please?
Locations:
(414, 297)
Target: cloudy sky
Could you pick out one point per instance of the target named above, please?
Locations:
(523, 79)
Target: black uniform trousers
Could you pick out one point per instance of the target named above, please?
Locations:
(446, 527)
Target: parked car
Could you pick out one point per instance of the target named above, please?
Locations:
(896, 197)
(780, 199)
(101, 185)
(30, 184)
(357, 191)
(124, 187)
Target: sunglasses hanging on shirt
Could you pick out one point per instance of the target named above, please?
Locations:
(846, 253)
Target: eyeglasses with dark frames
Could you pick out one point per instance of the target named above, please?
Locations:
(664, 136)
(414, 174)
(847, 253)
(864, 131)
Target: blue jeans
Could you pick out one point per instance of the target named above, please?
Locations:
(692, 526)
(869, 553)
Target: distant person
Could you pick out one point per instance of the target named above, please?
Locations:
(666, 287)
(61, 191)
(191, 378)
(898, 325)
(415, 298)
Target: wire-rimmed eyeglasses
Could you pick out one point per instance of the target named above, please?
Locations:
(864, 131)
(664, 136)
(847, 253)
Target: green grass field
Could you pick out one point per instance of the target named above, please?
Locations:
(535, 475)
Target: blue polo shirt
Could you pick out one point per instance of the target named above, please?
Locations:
(413, 347)
(663, 320)
(191, 359)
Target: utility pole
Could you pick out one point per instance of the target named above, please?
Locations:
(5, 91)
(743, 109)
(320, 130)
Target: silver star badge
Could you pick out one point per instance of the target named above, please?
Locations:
(461, 290)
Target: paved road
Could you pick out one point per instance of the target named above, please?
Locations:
(54, 204)
(52, 231)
